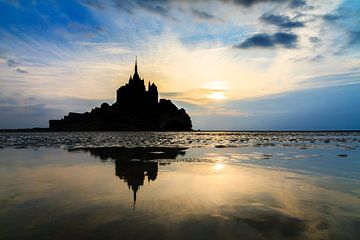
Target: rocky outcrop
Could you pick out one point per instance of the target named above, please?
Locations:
(135, 109)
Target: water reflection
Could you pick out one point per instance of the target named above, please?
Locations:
(54, 194)
(133, 164)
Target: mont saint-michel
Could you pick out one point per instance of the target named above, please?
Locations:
(136, 109)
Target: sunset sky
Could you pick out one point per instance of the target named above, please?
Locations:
(232, 64)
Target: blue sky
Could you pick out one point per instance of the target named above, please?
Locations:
(233, 64)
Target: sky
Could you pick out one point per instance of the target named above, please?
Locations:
(232, 64)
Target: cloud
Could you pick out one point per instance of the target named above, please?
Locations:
(182, 55)
(258, 40)
(297, 3)
(12, 62)
(21, 71)
(107, 48)
(327, 80)
(202, 14)
(249, 3)
(316, 58)
(94, 4)
(315, 40)
(159, 7)
(163, 7)
(264, 40)
(342, 21)
(354, 37)
(331, 17)
(280, 21)
(3, 60)
(153, 4)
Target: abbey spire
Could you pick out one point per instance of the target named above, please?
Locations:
(136, 76)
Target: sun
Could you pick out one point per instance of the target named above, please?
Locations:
(217, 95)
(218, 166)
(216, 90)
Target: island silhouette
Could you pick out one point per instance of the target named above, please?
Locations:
(135, 109)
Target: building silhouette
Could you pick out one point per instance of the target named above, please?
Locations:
(133, 96)
(136, 108)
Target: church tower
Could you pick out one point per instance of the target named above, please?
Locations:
(134, 96)
(136, 76)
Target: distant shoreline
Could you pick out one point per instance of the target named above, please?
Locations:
(24, 130)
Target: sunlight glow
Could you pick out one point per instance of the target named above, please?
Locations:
(217, 95)
(218, 166)
(216, 85)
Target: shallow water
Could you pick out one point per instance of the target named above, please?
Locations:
(180, 186)
(345, 140)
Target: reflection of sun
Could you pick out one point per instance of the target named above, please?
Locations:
(216, 95)
(218, 166)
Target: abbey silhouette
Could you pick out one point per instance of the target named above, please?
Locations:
(135, 109)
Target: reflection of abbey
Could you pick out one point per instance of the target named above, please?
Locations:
(132, 172)
(136, 108)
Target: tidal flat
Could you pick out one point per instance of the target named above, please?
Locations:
(180, 185)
